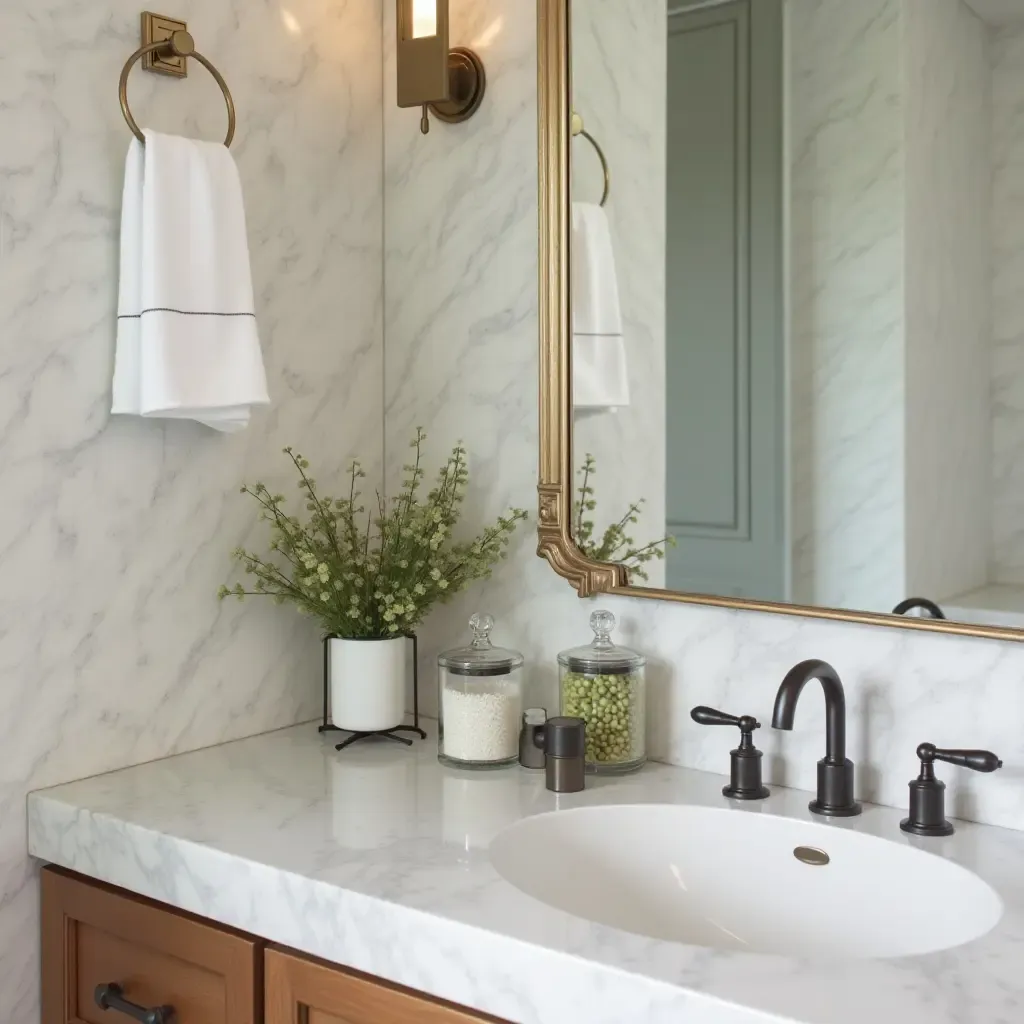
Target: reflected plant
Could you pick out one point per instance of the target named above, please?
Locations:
(615, 544)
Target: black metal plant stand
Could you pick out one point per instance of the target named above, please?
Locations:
(390, 734)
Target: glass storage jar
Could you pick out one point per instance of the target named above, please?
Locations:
(480, 702)
(605, 685)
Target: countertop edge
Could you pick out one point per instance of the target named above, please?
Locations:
(462, 963)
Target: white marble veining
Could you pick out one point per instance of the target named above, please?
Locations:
(948, 243)
(377, 859)
(620, 88)
(890, 245)
(116, 534)
(846, 203)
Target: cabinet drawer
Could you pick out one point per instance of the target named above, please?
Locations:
(316, 993)
(96, 935)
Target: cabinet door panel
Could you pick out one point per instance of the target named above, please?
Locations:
(96, 935)
(301, 991)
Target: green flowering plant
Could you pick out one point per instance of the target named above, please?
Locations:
(615, 544)
(371, 574)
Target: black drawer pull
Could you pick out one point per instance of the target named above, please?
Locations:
(111, 997)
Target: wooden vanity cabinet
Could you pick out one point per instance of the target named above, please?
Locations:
(94, 934)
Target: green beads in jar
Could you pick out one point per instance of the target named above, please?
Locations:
(609, 705)
(604, 685)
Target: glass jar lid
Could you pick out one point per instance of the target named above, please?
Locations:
(481, 657)
(602, 656)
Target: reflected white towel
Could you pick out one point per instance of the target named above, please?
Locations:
(187, 345)
(600, 371)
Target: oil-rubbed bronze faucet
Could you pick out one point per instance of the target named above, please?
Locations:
(835, 769)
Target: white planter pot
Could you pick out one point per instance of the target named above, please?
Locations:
(367, 683)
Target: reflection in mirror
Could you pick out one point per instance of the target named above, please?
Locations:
(798, 314)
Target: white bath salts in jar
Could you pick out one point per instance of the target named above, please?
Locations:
(480, 702)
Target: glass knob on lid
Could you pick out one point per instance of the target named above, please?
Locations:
(480, 657)
(602, 654)
(481, 626)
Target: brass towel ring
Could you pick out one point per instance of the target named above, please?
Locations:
(578, 129)
(180, 44)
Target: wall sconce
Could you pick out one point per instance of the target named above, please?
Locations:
(449, 82)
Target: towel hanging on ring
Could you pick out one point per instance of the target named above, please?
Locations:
(187, 344)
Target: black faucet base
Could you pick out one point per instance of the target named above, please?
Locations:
(746, 794)
(845, 811)
(835, 789)
(915, 829)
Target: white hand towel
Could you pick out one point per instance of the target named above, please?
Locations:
(187, 345)
(600, 371)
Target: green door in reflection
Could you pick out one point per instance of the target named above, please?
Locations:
(724, 343)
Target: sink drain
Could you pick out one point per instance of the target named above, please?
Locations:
(811, 855)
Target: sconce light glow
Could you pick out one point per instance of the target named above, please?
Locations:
(448, 83)
(424, 18)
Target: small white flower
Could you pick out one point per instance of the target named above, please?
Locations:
(435, 574)
(443, 584)
(325, 597)
(420, 589)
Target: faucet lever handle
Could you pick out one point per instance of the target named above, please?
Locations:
(976, 760)
(745, 774)
(709, 716)
(928, 794)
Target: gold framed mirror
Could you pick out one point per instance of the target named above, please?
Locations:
(766, 47)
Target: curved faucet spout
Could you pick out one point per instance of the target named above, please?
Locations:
(835, 704)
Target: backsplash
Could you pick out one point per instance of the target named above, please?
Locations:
(117, 533)
(475, 371)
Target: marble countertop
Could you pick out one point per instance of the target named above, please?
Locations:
(376, 858)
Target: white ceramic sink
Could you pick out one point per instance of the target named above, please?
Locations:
(732, 880)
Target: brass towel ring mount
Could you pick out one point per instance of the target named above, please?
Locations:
(160, 55)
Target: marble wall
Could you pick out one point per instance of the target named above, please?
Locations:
(1007, 56)
(475, 369)
(890, 315)
(846, 201)
(619, 86)
(116, 533)
(948, 240)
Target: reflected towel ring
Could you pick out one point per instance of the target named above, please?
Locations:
(578, 129)
(180, 44)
